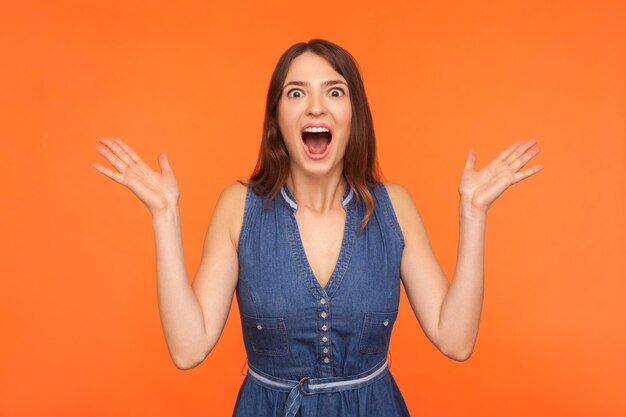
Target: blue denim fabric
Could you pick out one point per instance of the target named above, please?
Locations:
(284, 309)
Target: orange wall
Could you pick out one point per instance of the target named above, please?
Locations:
(79, 325)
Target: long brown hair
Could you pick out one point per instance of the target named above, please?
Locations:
(360, 165)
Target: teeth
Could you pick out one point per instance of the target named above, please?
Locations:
(316, 129)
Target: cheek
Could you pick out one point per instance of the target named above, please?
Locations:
(286, 116)
(345, 114)
(286, 127)
(346, 120)
(283, 121)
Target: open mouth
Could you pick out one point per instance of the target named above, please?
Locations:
(317, 139)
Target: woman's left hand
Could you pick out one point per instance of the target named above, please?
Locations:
(481, 188)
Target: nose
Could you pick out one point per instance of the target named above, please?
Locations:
(315, 105)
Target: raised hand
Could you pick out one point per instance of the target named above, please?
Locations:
(159, 192)
(482, 187)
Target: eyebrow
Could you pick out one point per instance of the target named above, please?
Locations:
(306, 84)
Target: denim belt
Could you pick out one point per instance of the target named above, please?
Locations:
(297, 391)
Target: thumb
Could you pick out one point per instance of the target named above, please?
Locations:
(470, 160)
(164, 162)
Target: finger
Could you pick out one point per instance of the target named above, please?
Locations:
(470, 161)
(526, 173)
(164, 162)
(505, 153)
(112, 158)
(117, 150)
(133, 155)
(116, 176)
(518, 151)
(524, 158)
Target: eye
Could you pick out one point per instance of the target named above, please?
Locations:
(337, 92)
(295, 92)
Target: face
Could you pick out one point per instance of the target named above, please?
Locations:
(314, 114)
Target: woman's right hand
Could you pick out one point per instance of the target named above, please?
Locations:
(159, 192)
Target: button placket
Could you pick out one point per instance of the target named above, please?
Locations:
(325, 328)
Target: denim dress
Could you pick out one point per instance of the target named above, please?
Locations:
(295, 330)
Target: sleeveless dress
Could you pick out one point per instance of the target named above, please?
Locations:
(294, 329)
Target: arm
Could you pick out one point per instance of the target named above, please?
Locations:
(193, 316)
(424, 280)
(461, 308)
(450, 313)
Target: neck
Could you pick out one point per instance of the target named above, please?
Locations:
(317, 193)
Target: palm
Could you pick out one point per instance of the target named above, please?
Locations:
(484, 186)
(157, 191)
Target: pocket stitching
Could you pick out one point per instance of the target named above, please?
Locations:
(273, 323)
(376, 318)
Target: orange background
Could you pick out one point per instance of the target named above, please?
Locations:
(79, 324)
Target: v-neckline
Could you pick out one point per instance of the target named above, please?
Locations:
(346, 241)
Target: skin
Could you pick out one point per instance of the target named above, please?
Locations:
(317, 185)
(448, 312)
(193, 315)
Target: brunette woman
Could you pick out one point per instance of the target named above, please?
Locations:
(315, 245)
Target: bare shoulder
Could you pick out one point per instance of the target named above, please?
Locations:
(231, 204)
(403, 205)
(397, 192)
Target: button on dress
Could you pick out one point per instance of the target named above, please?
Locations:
(294, 328)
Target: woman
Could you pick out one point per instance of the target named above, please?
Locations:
(315, 247)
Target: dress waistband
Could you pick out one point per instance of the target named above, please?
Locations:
(297, 390)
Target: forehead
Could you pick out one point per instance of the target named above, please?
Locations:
(311, 67)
